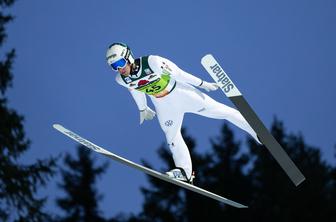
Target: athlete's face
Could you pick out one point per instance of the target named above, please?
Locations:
(126, 70)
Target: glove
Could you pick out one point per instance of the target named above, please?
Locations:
(146, 114)
(208, 86)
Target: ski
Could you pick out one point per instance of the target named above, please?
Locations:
(232, 92)
(144, 169)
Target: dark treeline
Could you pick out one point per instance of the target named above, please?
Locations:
(251, 177)
(81, 199)
(248, 175)
(19, 182)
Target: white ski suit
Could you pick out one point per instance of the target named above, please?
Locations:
(173, 94)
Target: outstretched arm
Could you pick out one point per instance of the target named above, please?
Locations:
(181, 75)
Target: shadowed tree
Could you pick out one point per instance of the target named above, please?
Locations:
(163, 200)
(253, 178)
(276, 198)
(19, 182)
(81, 201)
(219, 171)
(227, 174)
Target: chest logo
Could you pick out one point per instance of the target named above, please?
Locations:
(148, 71)
(142, 82)
(151, 76)
(128, 79)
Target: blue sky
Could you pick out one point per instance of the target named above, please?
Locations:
(280, 54)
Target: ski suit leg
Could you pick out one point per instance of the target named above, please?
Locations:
(213, 109)
(171, 125)
(170, 116)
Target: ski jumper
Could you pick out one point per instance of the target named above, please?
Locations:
(173, 94)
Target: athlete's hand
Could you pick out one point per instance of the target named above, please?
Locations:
(208, 86)
(146, 114)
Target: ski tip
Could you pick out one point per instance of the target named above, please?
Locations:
(206, 58)
(207, 55)
(57, 126)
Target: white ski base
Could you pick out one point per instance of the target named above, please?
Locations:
(144, 169)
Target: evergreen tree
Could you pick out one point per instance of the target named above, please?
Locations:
(164, 201)
(19, 182)
(275, 197)
(227, 174)
(220, 171)
(264, 187)
(79, 177)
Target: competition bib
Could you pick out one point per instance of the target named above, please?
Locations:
(146, 80)
(153, 87)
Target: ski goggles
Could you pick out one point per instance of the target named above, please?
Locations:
(121, 63)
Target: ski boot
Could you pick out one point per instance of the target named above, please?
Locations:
(179, 174)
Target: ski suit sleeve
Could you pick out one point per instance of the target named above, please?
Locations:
(175, 72)
(139, 97)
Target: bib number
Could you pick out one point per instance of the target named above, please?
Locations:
(153, 89)
(155, 86)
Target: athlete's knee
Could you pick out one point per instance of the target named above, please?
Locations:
(174, 140)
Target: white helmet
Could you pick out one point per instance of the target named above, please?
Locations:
(118, 54)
